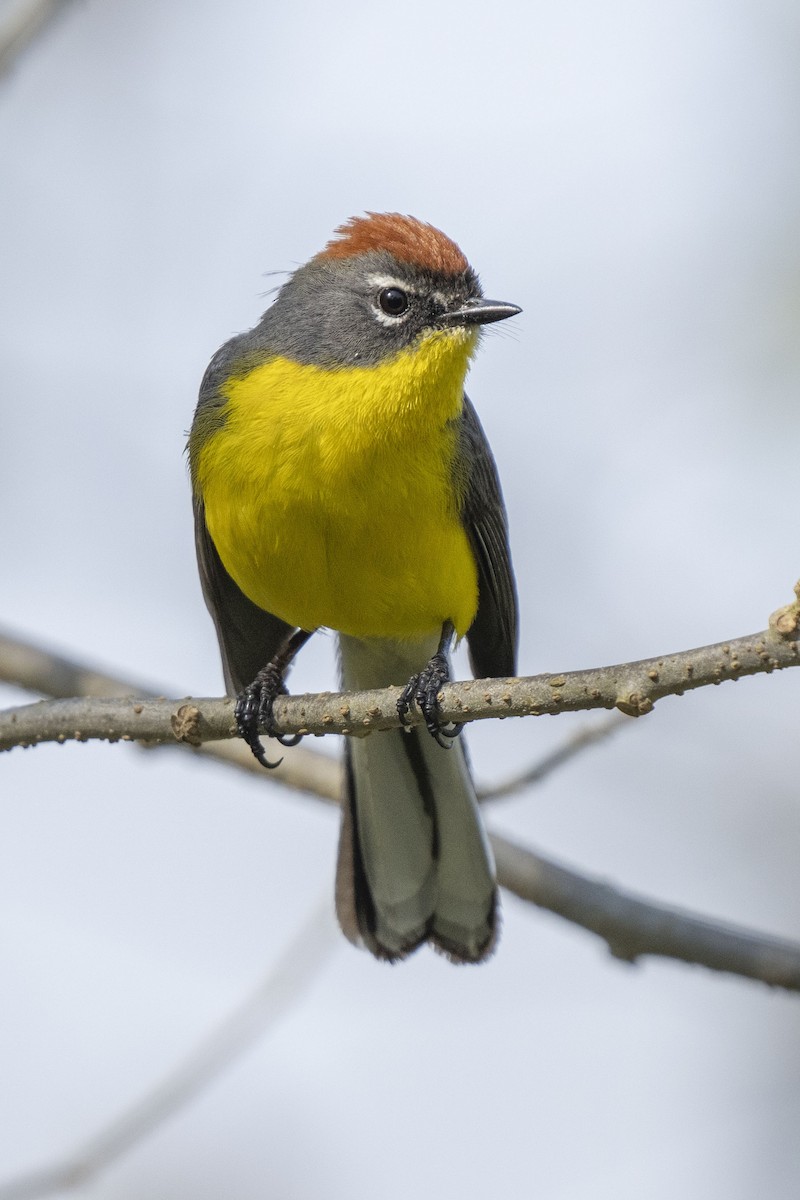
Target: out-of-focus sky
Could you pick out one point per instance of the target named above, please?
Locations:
(629, 173)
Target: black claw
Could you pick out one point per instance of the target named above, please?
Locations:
(423, 690)
(407, 699)
(254, 711)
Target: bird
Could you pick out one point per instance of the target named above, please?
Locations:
(342, 481)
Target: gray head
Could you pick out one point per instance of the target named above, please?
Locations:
(380, 284)
(383, 282)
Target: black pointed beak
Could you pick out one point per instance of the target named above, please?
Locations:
(479, 312)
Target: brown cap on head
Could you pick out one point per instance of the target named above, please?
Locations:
(406, 238)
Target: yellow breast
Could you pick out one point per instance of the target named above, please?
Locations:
(329, 496)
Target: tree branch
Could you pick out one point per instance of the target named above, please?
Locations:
(633, 688)
(631, 927)
(27, 665)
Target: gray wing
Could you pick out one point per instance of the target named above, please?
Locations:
(248, 636)
(492, 637)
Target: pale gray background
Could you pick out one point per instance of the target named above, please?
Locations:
(628, 172)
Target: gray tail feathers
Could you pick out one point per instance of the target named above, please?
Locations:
(414, 861)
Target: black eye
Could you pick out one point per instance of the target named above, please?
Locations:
(393, 301)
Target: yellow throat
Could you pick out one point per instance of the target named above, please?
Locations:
(329, 492)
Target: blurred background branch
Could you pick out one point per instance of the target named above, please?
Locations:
(24, 26)
(282, 987)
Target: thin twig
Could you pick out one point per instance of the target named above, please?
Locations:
(284, 984)
(590, 735)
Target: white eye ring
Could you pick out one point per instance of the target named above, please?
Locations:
(383, 284)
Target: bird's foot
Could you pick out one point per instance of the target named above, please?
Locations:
(423, 690)
(254, 711)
